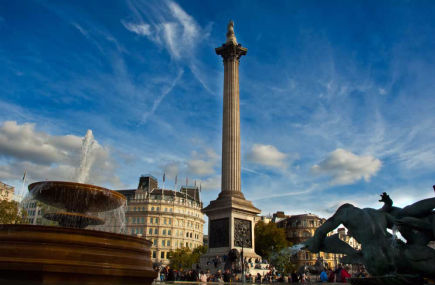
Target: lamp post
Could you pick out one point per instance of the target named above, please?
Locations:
(242, 239)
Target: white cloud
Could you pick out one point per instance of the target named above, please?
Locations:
(346, 167)
(140, 29)
(49, 157)
(267, 155)
(203, 164)
(211, 183)
(382, 91)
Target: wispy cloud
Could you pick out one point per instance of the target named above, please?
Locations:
(140, 29)
(159, 99)
(170, 27)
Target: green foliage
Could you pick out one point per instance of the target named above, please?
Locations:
(186, 258)
(269, 239)
(10, 213)
(282, 262)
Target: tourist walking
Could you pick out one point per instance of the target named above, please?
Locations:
(323, 276)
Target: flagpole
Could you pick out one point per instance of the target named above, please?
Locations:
(163, 189)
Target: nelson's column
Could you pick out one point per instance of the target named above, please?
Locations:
(231, 216)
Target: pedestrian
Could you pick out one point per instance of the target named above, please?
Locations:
(323, 276)
(345, 275)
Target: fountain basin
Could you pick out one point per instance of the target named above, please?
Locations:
(32, 254)
(76, 197)
(73, 219)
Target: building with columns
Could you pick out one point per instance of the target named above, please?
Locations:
(169, 219)
(231, 217)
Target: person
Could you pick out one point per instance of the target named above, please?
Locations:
(345, 276)
(337, 273)
(294, 277)
(258, 279)
(323, 276)
(331, 276)
(202, 277)
(227, 276)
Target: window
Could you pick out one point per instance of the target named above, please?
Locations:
(162, 254)
(164, 232)
(163, 242)
(154, 254)
(156, 231)
(150, 231)
(170, 221)
(141, 230)
(169, 232)
(158, 208)
(151, 220)
(134, 209)
(134, 220)
(164, 221)
(156, 220)
(152, 208)
(191, 235)
(187, 235)
(168, 243)
(166, 209)
(155, 242)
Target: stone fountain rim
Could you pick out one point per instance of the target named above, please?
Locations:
(85, 185)
(74, 231)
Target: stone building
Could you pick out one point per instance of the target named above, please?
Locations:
(6, 192)
(298, 229)
(169, 219)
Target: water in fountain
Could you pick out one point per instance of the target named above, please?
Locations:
(293, 250)
(87, 204)
(86, 157)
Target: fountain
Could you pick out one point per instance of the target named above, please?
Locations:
(388, 260)
(71, 254)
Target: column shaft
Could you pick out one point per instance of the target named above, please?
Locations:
(231, 128)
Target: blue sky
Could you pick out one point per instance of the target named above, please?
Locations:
(337, 100)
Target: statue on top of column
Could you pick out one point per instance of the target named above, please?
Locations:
(231, 37)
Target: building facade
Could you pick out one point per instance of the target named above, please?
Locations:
(299, 228)
(169, 219)
(6, 192)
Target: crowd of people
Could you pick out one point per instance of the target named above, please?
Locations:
(340, 275)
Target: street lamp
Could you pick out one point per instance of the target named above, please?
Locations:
(242, 238)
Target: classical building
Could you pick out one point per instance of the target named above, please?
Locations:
(6, 192)
(169, 219)
(299, 228)
(231, 217)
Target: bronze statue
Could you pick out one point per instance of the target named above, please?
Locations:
(380, 252)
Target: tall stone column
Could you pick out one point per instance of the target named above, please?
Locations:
(231, 165)
(231, 217)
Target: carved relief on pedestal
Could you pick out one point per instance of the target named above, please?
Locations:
(242, 233)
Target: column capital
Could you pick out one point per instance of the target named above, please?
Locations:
(231, 51)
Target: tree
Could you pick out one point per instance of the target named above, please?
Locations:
(269, 239)
(186, 258)
(10, 213)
